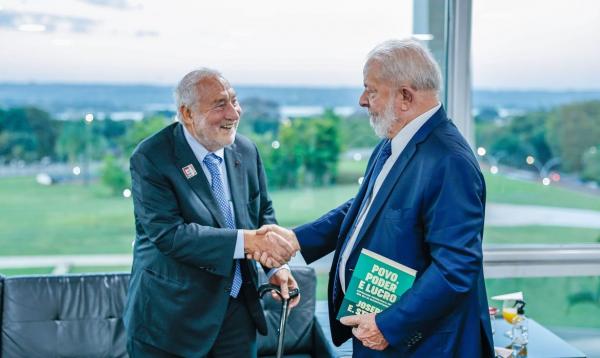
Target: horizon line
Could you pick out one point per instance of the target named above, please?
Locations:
(275, 86)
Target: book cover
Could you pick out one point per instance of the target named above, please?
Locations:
(376, 284)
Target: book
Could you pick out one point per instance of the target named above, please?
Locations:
(376, 284)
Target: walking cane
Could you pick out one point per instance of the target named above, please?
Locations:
(284, 311)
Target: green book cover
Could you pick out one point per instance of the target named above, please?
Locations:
(377, 282)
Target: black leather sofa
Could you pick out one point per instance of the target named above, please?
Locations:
(80, 316)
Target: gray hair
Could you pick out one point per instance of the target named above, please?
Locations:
(405, 61)
(186, 93)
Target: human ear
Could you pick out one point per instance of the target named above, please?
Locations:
(405, 97)
(186, 114)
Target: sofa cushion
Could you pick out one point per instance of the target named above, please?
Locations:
(65, 316)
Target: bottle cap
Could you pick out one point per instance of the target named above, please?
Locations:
(520, 307)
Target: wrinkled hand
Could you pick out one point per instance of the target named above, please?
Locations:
(365, 329)
(279, 249)
(284, 279)
(265, 257)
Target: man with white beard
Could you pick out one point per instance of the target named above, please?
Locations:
(199, 193)
(422, 205)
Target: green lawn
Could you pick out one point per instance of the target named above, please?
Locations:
(99, 269)
(501, 189)
(295, 207)
(62, 219)
(26, 271)
(75, 269)
(75, 219)
(540, 235)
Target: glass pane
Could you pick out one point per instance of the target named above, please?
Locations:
(83, 82)
(430, 22)
(536, 105)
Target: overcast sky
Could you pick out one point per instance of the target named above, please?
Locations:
(544, 44)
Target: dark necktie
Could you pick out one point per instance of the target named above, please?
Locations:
(384, 154)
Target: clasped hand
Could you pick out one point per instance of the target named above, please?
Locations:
(271, 245)
(364, 328)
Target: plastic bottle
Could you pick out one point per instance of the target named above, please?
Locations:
(520, 331)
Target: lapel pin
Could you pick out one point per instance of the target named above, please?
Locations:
(189, 171)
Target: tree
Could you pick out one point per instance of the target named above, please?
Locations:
(524, 135)
(573, 129)
(356, 132)
(142, 130)
(77, 136)
(113, 175)
(260, 116)
(591, 164)
(28, 134)
(305, 152)
(487, 113)
(283, 155)
(324, 149)
(71, 141)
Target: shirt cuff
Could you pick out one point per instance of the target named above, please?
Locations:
(238, 252)
(275, 270)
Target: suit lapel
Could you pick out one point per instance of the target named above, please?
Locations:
(184, 157)
(237, 183)
(395, 173)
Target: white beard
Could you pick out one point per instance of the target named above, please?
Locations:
(383, 123)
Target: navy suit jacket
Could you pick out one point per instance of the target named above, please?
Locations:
(183, 255)
(428, 215)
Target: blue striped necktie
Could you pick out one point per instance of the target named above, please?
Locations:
(213, 163)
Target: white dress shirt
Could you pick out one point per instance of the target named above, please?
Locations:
(399, 142)
(200, 152)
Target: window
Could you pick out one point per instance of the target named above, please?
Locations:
(537, 127)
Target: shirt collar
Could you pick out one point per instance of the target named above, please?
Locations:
(199, 151)
(401, 139)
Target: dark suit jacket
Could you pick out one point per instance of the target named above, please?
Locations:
(428, 215)
(183, 255)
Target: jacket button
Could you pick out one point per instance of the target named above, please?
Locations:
(227, 289)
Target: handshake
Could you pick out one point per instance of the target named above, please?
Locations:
(271, 245)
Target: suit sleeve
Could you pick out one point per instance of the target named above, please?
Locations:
(453, 216)
(157, 212)
(319, 237)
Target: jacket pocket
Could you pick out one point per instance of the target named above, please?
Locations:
(164, 301)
